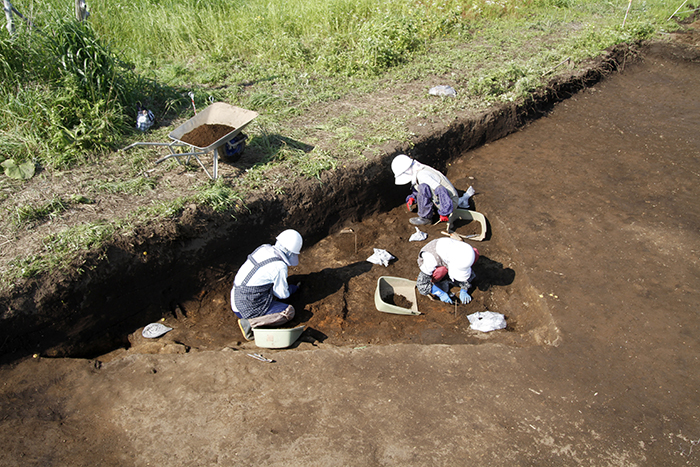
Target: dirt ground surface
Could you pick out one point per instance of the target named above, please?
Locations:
(591, 254)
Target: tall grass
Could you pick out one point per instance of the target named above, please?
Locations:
(68, 89)
(65, 94)
(337, 36)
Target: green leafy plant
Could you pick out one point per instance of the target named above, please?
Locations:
(22, 171)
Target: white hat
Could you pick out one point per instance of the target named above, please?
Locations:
(400, 166)
(291, 241)
(155, 330)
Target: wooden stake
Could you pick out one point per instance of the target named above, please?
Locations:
(8, 17)
(669, 18)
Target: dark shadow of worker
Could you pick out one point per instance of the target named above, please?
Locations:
(489, 273)
(317, 286)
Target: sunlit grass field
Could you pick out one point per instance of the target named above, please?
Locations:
(86, 79)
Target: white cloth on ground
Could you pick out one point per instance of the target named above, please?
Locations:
(380, 257)
(154, 330)
(486, 321)
(418, 236)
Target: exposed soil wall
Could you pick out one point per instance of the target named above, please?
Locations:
(89, 309)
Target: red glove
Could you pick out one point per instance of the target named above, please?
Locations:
(409, 204)
(444, 218)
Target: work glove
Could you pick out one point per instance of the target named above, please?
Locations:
(409, 203)
(444, 219)
(293, 288)
(441, 294)
(464, 296)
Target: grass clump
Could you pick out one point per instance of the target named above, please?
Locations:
(50, 209)
(134, 186)
(218, 195)
(59, 250)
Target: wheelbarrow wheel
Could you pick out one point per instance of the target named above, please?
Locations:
(233, 150)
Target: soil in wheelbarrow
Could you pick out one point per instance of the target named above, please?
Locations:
(206, 135)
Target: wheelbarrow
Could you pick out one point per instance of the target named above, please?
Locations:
(218, 113)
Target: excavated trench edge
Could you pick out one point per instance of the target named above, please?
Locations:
(86, 314)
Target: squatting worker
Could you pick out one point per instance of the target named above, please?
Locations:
(430, 189)
(445, 262)
(261, 280)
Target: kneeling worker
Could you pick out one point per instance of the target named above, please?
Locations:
(261, 280)
(429, 188)
(446, 257)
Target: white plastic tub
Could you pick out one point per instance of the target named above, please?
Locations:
(275, 338)
(387, 286)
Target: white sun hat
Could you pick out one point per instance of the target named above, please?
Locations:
(401, 166)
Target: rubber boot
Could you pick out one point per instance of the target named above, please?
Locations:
(419, 221)
(246, 330)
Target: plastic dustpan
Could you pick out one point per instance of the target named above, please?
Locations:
(276, 338)
(466, 214)
(387, 287)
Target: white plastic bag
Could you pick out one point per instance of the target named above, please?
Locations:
(418, 236)
(442, 90)
(145, 119)
(464, 199)
(486, 321)
(380, 257)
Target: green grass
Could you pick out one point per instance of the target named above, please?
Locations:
(29, 214)
(134, 186)
(68, 95)
(59, 250)
(218, 196)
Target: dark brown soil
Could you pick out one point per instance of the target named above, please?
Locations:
(397, 300)
(591, 255)
(206, 135)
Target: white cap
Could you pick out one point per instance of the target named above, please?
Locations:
(400, 166)
(291, 241)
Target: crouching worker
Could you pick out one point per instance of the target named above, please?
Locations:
(445, 262)
(261, 280)
(430, 189)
